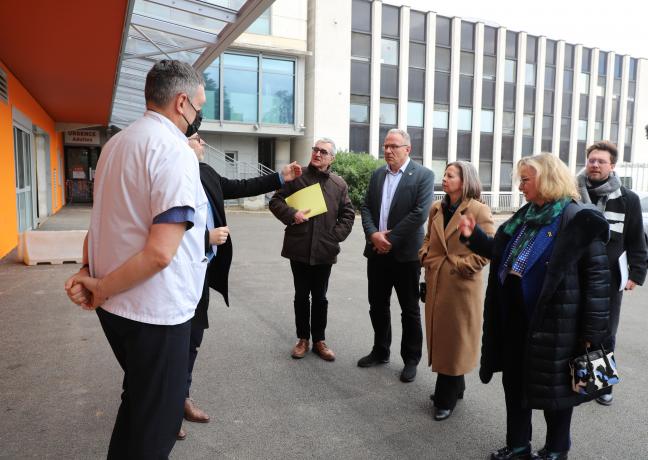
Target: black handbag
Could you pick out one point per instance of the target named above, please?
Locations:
(422, 291)
(594, 371)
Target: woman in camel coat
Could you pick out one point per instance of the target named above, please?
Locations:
(454, 299)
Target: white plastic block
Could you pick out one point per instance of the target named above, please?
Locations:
(53, 247)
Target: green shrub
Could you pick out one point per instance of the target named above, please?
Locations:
(356, 169)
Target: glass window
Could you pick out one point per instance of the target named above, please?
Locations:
(361, 15)
(568, 81)
(509, 70)
(618, 66)
(565, 128)
(599, 108)
(416, 84)
(440, 117)
(443, 27)
(529, 99)
(508, 122)
(584, 83)
(603, 56)
(569, 56)
(600, 86)
(389, 51)
(417, 26)
(531, 49)
(507, 148)
(583, 107)
(442, 59)
(439, 151)
(545, 145)
(360, 45)
(564, 150)
(628, 135)
(567, 104)
(582, 130)
(360, 78)
(630, 113)
(388, 112)
(211, 75)
(390, 21)
(240, 88)
(464, 119)
(551, 52)
(262, 25)
(487, 121)
(548, 105)
(632, 69)
(509, 96)
(485, 167)
(530, 75)
(485, 147)
(464, 140)
(388, 81)
(359, 138)
(417, 55)
(490, 40)
(550, 77)
(359, 112)
(467, 63)
(616, 87)
(465, 90)
(598, 131)
(586, 58)
(467, 36)
(506, 174)
(278, 94)
(511, 44)
(614, 132)
(488, 94)
(527, 125)
(415, 114)
(547, 127)
(490, 67)
(527, 146)
(416, 141)
(441, 87)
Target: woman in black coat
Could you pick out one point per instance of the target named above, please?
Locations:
(547, 297)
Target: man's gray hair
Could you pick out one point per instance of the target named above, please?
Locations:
(328, 141)
(167, 79)
(403, 133)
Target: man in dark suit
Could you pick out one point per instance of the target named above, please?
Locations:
(218, 246)
(396, 206)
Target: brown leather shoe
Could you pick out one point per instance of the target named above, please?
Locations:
(193, 414)
(300, 349)
(182, 434)
(324, 352)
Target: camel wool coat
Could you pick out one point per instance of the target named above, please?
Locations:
(454, 299)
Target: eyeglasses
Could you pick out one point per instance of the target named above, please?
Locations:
(321, 151)
(594, 161)
(393, 146)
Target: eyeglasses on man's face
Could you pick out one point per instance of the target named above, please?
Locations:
(393, 147)
(321, 151)
(593, 161)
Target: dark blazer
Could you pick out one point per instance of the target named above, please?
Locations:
(218, 189)
(409, 210)
(572, 306)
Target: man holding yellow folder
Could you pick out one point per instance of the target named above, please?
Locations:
(323, 217)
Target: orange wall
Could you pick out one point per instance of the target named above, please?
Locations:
(20, 98)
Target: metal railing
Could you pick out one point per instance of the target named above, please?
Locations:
(633, 175)
(504, 202)
(231, 168)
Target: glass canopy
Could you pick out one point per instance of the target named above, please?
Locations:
(194, 31)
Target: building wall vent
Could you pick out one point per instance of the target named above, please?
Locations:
(4, 90)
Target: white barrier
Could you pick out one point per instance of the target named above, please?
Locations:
(52, 247)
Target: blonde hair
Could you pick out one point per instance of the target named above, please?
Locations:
(470, 179)
(553, 179)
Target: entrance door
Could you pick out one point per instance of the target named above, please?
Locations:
(267, 152)
(24, 195)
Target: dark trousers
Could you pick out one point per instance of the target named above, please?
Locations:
(384, 272)
(311, 282)
(195, 340)
(154, 360)
(447, 390)
(616, 297)
(518, 416)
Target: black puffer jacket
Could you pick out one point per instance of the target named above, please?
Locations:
(572, 307)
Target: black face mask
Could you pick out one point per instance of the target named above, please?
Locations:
(192, 128)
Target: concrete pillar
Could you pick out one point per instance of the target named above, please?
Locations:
(639, 140)
(430, 55)
(478, 74)
(376, 51)
(403, 67)
(539, 99)
(455, 56)
(499, 107)
(558, 95)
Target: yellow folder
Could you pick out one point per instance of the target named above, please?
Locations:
(310, 197)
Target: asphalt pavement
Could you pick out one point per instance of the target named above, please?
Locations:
(60, 383)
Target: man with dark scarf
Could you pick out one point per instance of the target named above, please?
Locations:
(600, 186)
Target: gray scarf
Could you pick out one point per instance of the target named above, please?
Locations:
(602, 191)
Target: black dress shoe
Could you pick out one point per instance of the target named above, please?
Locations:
(441, 414)
(542, 454)
(371, 360)
(506, 453)
(409, 373)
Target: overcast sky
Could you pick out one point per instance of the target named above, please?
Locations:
(614, 25)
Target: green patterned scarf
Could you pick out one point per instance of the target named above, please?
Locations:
(533, 219)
